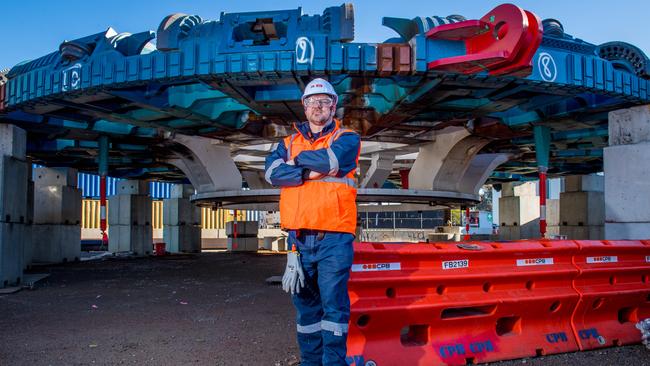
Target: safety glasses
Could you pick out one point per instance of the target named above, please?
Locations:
(322, 102)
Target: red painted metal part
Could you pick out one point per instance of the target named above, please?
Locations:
(542, 202)
(404, 177)
(102, 210)
(501, 42)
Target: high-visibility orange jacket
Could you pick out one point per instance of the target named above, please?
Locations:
(327, 204)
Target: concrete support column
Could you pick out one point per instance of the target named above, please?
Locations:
(207, 165)
(519, 211)
(129, 219)
(380, 167)
(57, 215)
(627, 174)
(582, 207)
(451, 163)
(181, 221)
(14, 216)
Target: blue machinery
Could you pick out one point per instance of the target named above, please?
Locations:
(239, 80)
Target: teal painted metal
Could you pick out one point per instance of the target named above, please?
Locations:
(241, 76)
(542, 136)
(103, 155)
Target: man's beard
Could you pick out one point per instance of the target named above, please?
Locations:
(321, 118)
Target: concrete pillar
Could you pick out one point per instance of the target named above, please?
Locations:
(450, 163)
(519, 211)
(181, 221)
(627, 174)
(552, 217)
(129, 219)
(14, 177)
(57, 215)
(582, 207)
(207, 164)
(380, 167)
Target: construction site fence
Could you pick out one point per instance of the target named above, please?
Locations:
(210, 219)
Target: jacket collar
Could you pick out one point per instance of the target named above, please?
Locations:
(305, 131)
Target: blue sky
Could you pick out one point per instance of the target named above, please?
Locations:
(33, 28)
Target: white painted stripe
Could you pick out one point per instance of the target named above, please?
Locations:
(603, 259)
(459, 263)
(349, 181)
(534, 262)
(337, 328)
(307, 329)
(396, 266)
(542, 212)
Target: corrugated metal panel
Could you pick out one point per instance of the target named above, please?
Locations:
(90, 213)
(157, 214)
(159, 190)
(89, 185)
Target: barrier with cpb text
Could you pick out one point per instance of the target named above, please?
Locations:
(449, 303)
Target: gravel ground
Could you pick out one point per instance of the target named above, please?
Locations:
(208, 309)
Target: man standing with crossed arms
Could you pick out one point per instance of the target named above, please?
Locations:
(315, 169)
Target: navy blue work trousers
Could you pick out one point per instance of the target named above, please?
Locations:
(323, 305)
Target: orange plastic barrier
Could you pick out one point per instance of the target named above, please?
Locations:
(448, 303)
(614, 287)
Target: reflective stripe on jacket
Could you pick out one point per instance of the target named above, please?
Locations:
(327, 204)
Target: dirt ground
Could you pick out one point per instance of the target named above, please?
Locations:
(208, 309)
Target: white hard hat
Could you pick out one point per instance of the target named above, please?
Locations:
(320, 86)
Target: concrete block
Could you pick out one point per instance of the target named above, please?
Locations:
(627, 230)
(243, 244)
(243, 228)
(13, 189)
(180, 211)
(127, 209)
(132, 187)
(629, 126)
(268, 242)
(584, 183)
(528, 231)
(553, 212)
(56, 243)
(583, 232)
(130, 238)
(13, 141)
(582, 208)
(28, 246)
(436, 237)
(70, 242)
(181, 191)
(11, 253)
(57, 205)
(182, 239)
(627, 183)
(30, 202)
(518, 189)
(552, 231)
(518, 210)
(55, 177)
(279, 244)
